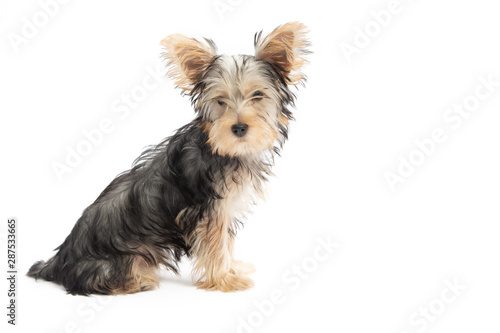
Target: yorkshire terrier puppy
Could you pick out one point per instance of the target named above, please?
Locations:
(188, 194)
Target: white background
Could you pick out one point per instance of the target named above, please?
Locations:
(354, 120)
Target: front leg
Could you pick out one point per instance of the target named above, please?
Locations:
(212, 249)
(240, 267)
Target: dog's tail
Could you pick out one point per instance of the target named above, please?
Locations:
(42, 269)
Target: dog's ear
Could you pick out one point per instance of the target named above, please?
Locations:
(187, 59)
(285, 48)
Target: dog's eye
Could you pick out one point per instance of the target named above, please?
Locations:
(257, 96)
(221, 102)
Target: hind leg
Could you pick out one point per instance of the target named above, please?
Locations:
(120, 276)
(140, 277)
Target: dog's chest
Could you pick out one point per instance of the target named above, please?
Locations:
(240, 193)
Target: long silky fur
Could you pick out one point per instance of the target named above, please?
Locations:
(146, 216)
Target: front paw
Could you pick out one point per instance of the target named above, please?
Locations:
(228, 283)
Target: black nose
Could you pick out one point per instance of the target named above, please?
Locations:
(239, 129)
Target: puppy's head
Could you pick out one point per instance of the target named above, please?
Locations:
(242, 100)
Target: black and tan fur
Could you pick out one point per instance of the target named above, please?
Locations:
(188, 194)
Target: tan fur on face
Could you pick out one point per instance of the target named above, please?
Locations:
(235, 84)
(286, 48)
(260, 135)
(187, 59)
